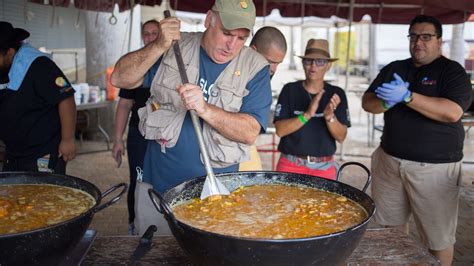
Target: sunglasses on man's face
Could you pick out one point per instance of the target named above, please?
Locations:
(318, 62)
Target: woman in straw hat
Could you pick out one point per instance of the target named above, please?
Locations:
(310, 116)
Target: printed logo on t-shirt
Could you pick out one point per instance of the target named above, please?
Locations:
(277, 110)
(426, 81)
(60, 82)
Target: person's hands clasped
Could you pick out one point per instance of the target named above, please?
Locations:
(67, 149)
(393, 92)
(313, 106)
(192, 97)
(169, 32)
(331, 107)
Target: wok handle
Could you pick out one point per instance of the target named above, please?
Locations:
(369, 176)
(113, 200)
(162, 207)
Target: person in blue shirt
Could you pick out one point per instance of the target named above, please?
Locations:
(243, 113)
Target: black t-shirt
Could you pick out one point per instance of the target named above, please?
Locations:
(408, 134)
(31, 126)
(313, 138)
(140, 95)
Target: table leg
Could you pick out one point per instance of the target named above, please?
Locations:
(102, 130)
(369, 126)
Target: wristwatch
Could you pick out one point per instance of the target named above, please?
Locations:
(408, 98)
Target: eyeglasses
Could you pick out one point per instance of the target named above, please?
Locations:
(318, 62)
(425, 37)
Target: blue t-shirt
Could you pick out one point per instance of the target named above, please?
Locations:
(183, 162)
(140, 95)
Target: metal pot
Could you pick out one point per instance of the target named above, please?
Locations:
(215, 249)
(48, 245)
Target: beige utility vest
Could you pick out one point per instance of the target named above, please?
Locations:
(162, 117)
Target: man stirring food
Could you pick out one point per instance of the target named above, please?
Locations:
(230, 92)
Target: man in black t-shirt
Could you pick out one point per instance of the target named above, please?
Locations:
(37, 108)
(419, 158)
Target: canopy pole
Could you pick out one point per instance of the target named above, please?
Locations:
(132, 5)
(348, 58)
(264, 15)
(292, 49)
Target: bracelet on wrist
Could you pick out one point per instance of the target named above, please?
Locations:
(302, 119)
(384, 105)
(331, 119)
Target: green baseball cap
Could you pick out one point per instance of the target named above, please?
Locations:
(236, 14)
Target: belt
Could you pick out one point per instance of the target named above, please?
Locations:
(311, 159)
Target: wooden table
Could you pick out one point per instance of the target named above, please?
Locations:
(378, 246)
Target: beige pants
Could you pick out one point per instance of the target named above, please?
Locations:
(255, 163)
(145, 212)
(428, 191)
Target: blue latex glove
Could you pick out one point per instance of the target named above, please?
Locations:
(393, 92)
(388, 104)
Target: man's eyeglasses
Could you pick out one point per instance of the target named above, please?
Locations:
(425, 37)
(318, 62)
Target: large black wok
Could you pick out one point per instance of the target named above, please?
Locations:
(215, 249)
(48, 245)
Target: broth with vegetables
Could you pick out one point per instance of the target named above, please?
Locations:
(25, 207)
(272, 212)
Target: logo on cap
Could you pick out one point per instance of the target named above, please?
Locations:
(243, 4)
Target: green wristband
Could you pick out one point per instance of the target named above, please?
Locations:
(302, 119)
(384, 105)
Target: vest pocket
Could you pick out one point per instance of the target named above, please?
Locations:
(169, 79)
(224, 152)
(231, 97)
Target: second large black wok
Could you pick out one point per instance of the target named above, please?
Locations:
(48, 245)
(208, 248)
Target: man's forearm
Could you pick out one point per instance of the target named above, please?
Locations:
(67, 115)
(238, 127)
(439, 109)
(288, 126)
(131, 68)
(372, 104)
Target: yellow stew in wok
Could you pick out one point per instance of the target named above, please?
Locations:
(27, 207)
(272, 212)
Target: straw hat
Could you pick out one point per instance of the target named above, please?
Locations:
(318, 49)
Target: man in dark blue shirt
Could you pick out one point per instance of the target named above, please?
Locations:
(228, 26)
